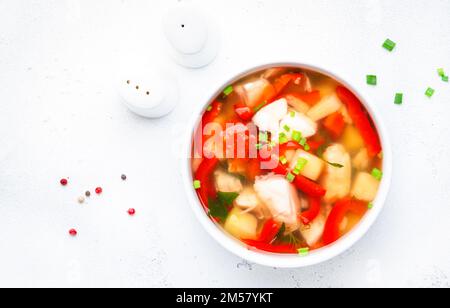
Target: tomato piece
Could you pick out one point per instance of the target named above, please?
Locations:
(334, 124)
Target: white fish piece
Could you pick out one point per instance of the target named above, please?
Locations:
(337, 181)
(313, 232)
(328, 105)
(226, 182)
(280, 197)
(268, 118)
(254, 91)
(299, 122)
(248, 201)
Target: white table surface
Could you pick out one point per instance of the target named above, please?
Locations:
(60, 116)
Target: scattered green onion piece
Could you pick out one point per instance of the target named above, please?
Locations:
(263, 137)
(302, 142)
(290, 177)
(258, 146)
(301, 163)
(371, 80)
(302, 252)
(377, 174)
(445, 78)
(389, 45)
(307, 147)
(398, 98)
(209, 108)
(283, 160)
(197, 184)
(292, 114)
(429, 92)
(370, 206)
(272, 144)
(441, 72)
(287, 128)
(228, 90)
(296, 136)
(283, 138)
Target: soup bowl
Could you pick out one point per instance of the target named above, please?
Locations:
(286, 260)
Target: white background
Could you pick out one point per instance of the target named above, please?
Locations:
(60, 116)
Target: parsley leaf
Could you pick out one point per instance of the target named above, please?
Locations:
(227, 198)
(217, 209)
(335, 165)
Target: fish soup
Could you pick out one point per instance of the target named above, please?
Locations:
(286, 160)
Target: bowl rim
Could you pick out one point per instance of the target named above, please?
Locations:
(283, 260)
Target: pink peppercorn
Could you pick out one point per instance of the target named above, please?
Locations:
(131, 212)
(63, 182)
(73, 232)
(98, 190)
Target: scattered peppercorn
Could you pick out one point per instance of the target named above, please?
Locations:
(87, 193)
(73, 232)
(98, 190)
(123, 177)
(63, 182)
(131, 212)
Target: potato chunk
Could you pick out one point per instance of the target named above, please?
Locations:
(337, 181)
(352, 139)
(241, 225)
(313, 169)
(361, 160)
(328, 105)
(365, 187)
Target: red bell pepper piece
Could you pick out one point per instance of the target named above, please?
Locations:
(211, 115)
(313, 211)
(334, 124)
(309, 187)
(203, 175)
(283, 248)
(302, 183)
(269, 231)
(281, 82)
(361, 120)
(311, 98)
(341, 208)
(243, 111)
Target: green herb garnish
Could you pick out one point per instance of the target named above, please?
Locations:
(227, 198)
(287, 128)
(389, 45)
(292, 113)
(441, 72)
(197, 184)
(371, 80)
(429, 92)
(228, 90)
(398, 98)
(280, 232)
(296, 136)
(263, 137)
(209, 108)
(377, 174)
(283, 160)
(302, 252)
(283, 138)
(217, 209)
(336, 165)
(445, 78)
(290, 177)
(303, 141)
(370, 206)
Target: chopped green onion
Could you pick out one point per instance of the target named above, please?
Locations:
(263, 137)
(209, 108)
(370, 206)
(371, 80)
(307, 147)
(296, 136)
(441, 72)
(228, 90)
(302, 142)
(429, 92)
(389, 45)
(283, 138)
(301, 163)
(272, 144)
(283, 160)
(258, 146)
(445, 78)
(292, 113)
(377, 174)
(260, 106)
(302, 252)
(287, 128)
(398, 98)
(197, 184)
(290, 177)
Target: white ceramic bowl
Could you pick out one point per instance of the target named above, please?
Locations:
(286, 260)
